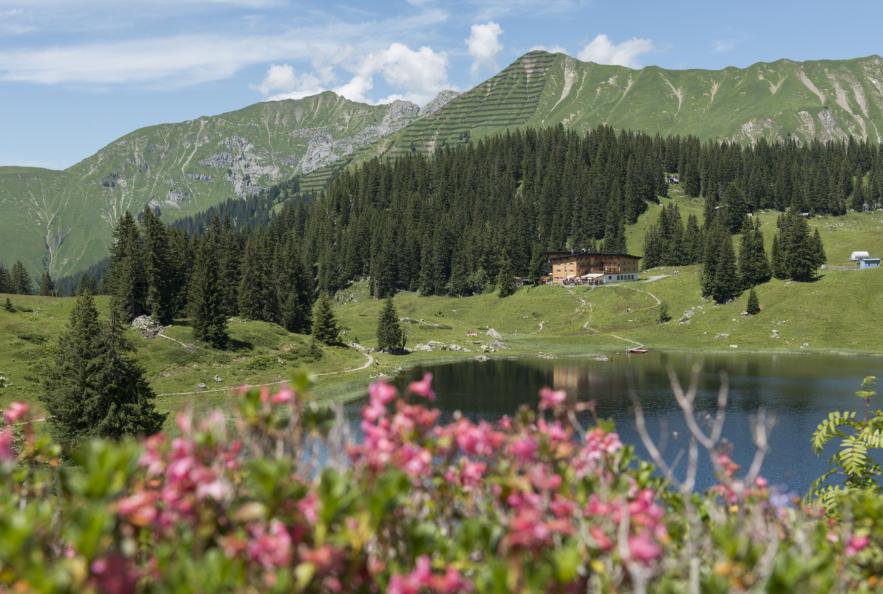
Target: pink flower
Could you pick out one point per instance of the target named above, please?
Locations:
(138, 508)
(270, 548)
(423, 387)
(15, 412)
(528, 530)
(550, 398)
(413, 582)
(643, 548)
(601, 539)
(283, 396)
(309, 507)
(416, 461)
(381, 393)
(856, 544)
(114, 575)
(7, 454)
(184, 420)
(524, 449)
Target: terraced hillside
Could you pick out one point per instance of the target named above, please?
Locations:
(824, 100)
(62, 221)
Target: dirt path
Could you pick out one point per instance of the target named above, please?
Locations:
(586, 304)
(189, 347)
(368, 363)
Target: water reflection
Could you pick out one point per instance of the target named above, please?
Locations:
(798, 389)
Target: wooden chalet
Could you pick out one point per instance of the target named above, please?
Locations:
(592, 268)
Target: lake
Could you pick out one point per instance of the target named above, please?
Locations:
(799, 389)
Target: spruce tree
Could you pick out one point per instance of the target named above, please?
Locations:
(390, 334)
(777, 260)
(5, 281)
(714, 235)
(693, 241)
(754, 268)
(91, 387)
(158, 269)
(21, 280)
(258, 298)
(505, 278)
(207, 315)
(753, 306)
(735, 207)
(8, 306)
(230, 268)
(87, 284)
(47, 287)
(725, 286)
(126, 278)
(325, 328)
(294, 292)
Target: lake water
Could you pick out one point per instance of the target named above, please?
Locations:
(799, 390)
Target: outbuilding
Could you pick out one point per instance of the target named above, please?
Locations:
(856, 256)
(866, 263)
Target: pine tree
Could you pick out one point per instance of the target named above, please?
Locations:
(390, 334)
(87, 284)
(230, 268)
(21, 280)
(714, 235)
(207, 316)
(258, 299)
(753, 306)
(777, 260)
(693, 241)
(505, 278)
(5, 281)
(294, 292)
(47, 287)
(158, 269)
(126, 279)
(754, 268)
(735, 207)
(127, 406)
(92, 389)
(325, 328)
(726, 279)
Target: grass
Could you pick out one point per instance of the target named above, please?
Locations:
(262, 353)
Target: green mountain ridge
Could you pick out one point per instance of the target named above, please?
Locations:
(62, 221)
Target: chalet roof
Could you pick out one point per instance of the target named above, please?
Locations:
(563, 255)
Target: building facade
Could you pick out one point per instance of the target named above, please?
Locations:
(580, 268)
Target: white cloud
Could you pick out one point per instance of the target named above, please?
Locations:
(282, 82)
(604, 51)
(416, 75)
(484, 46)
(555, 49)
(189, 59)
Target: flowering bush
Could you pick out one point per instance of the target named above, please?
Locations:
(278, 499)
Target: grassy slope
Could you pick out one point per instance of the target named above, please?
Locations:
(264, 353)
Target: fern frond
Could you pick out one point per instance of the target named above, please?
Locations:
(853, 455)
(830, 428)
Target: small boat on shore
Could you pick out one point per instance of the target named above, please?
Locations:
(638, 350)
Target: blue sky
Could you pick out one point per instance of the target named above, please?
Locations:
(76, 74)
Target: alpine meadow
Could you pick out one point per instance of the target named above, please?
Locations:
(412, 323)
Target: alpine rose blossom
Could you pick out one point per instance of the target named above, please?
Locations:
(550, 398)
(423, 387)
(15, 412)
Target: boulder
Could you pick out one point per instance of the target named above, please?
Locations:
(147, 326)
